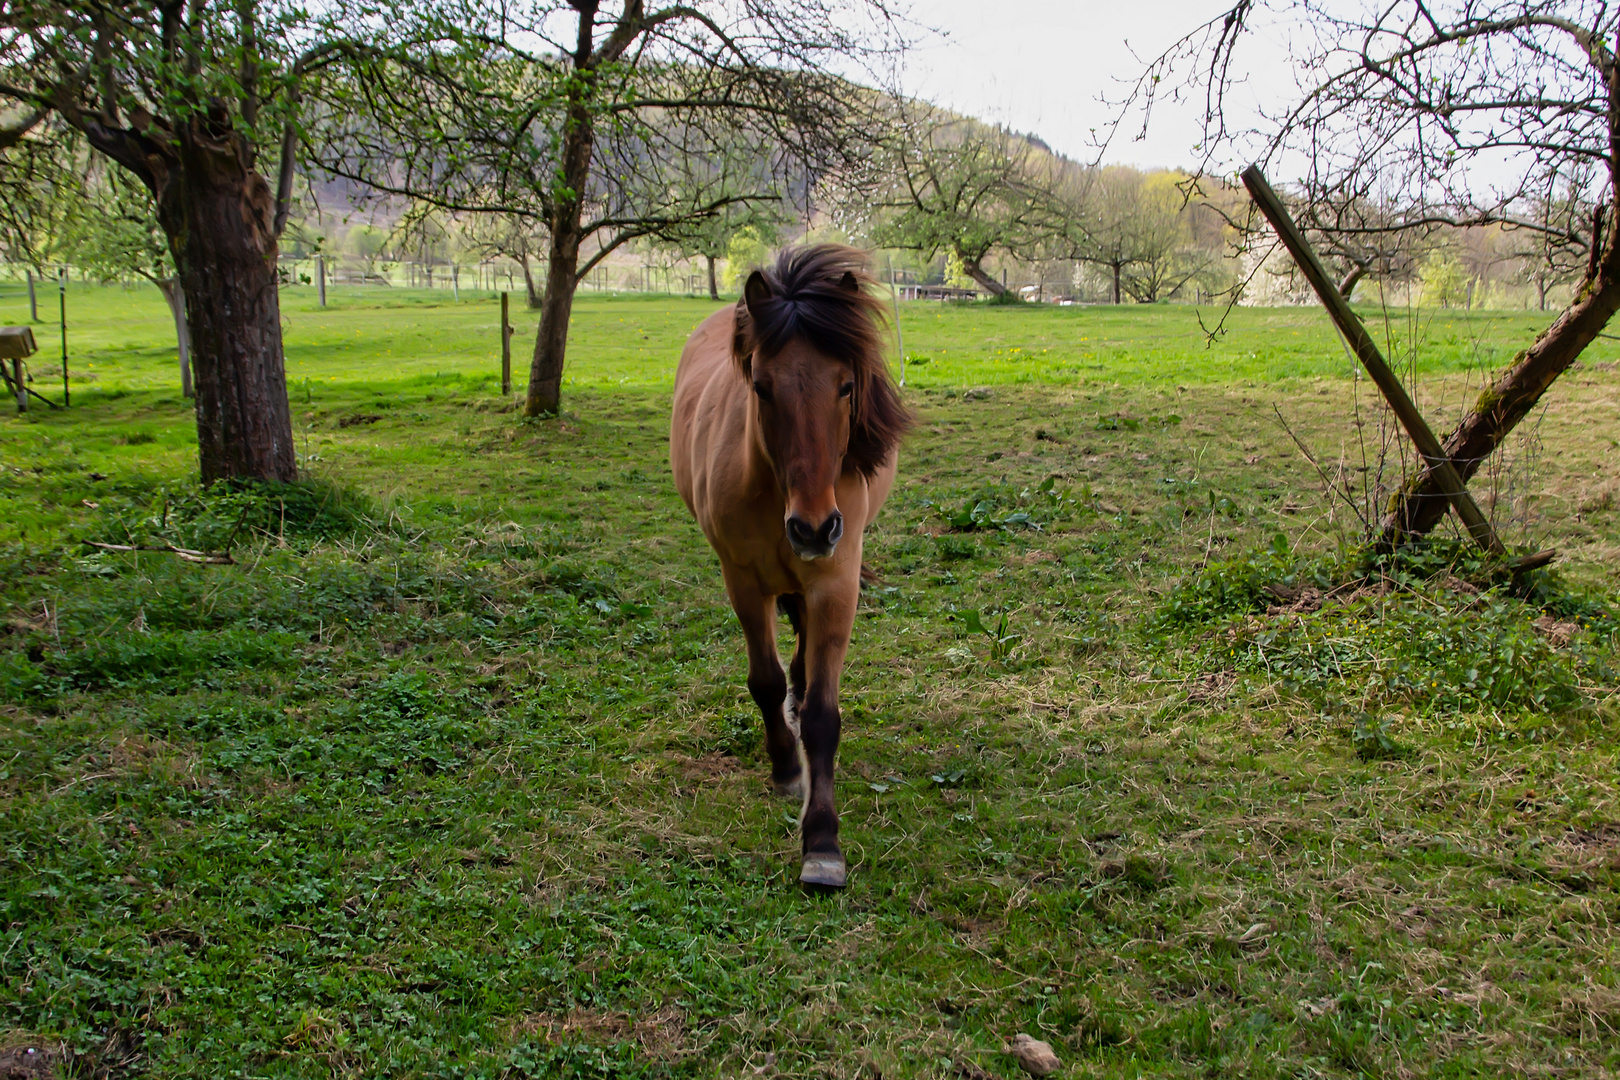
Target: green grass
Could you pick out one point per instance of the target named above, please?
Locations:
(453, 773)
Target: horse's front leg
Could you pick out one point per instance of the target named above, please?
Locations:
(766, 682)
(829, 614)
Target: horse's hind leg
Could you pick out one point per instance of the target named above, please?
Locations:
(767, 683)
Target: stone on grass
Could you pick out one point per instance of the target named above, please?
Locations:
(1034, 1057)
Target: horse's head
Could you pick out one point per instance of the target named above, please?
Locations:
(809, 341)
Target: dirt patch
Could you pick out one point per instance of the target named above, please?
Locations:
(1558, 634)
(30, 1061)
(713, 766)
(660, 1035)
(1210, 686)
(357, 419)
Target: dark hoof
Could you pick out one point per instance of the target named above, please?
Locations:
(789, 789)
(824, 872)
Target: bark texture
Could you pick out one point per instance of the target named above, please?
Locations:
(562, 267)
(218, 214)
(714, 292)
(1419, 507)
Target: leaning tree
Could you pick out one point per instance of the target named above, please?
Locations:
(600, 121)
(1452, 114)
(948, 183)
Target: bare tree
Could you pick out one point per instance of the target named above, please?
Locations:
(575, 114)
(512, 236)
(761, 209)
(943, 183)
(1139, 228)
(1465, 113)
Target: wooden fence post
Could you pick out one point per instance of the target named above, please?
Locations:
(33, 301)
(61, 297)
(320, 278)
(1440, 466)
(506, 349)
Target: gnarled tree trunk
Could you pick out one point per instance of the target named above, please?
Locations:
(970, 266)
(1420, 506)
(218, 214)
(1348, 283)
(714, 292)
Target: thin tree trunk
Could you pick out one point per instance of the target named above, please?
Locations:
(533, 294)
(562, 266)
(1116, 266)
(714, 292)
(1420, 506)
(218, 214)
(177, 307)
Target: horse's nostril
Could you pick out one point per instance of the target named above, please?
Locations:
(833, 530)
(799, 531)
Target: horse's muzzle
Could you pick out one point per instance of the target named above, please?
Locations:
(810, 542)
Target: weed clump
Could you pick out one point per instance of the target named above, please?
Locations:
(1426, 627)
(214, 518)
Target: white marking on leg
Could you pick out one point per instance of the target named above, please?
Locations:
(804, 781)
(790, 712)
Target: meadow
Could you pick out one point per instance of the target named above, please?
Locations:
(452, 771)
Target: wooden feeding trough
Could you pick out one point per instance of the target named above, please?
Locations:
(16, 345)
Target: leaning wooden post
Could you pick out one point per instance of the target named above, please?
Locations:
(506, 349)
(1440, 467)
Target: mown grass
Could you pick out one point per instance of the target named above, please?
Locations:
(454, 772)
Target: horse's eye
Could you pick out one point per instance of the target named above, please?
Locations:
(846, 390)
(762, 391)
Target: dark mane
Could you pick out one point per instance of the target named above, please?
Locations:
(822, 294)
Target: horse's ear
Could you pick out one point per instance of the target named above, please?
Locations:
(756, 291)
(849, 282)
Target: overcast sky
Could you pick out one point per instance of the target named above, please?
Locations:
(1040, 66)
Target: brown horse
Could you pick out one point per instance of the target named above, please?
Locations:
(783, 445)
